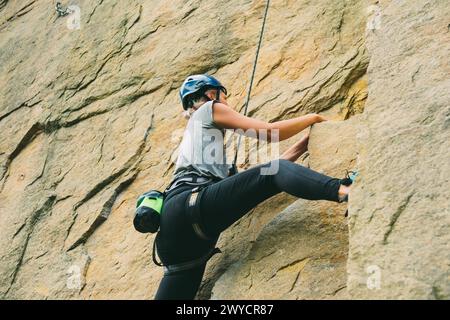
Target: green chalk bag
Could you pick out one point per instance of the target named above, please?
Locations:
(148, 211)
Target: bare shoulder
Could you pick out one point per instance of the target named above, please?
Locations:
(221, 108)
(219, 105)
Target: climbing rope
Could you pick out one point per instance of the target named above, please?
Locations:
(252, 77)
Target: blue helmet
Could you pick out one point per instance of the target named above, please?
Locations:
(195, 84)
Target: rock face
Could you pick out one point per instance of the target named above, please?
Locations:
(400, 208)
(90, 119)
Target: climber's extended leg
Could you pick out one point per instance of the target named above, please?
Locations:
(225, 202)
(221, 204)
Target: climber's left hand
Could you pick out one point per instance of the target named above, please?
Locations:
(295, 151)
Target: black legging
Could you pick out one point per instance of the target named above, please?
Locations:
(222, 204)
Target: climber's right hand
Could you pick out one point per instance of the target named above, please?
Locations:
(320, 118)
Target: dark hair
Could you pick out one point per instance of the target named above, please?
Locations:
(197, 95)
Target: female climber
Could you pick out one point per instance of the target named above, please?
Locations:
(205, 197)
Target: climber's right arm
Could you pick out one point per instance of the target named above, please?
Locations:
(228, 118)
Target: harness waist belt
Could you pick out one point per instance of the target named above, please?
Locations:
(188, 179)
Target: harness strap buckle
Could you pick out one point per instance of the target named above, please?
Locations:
(194, 212)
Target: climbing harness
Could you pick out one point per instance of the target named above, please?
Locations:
(61, 11)
(190, 179)
(173, 268)
(193, 212)
(233, 169)
(149, 205)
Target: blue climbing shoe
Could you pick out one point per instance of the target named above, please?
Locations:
(347, 181)
(350, 178)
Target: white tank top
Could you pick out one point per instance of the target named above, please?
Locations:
(202, 150)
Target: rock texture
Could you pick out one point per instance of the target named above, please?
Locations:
(90, 118)
(400, 208)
